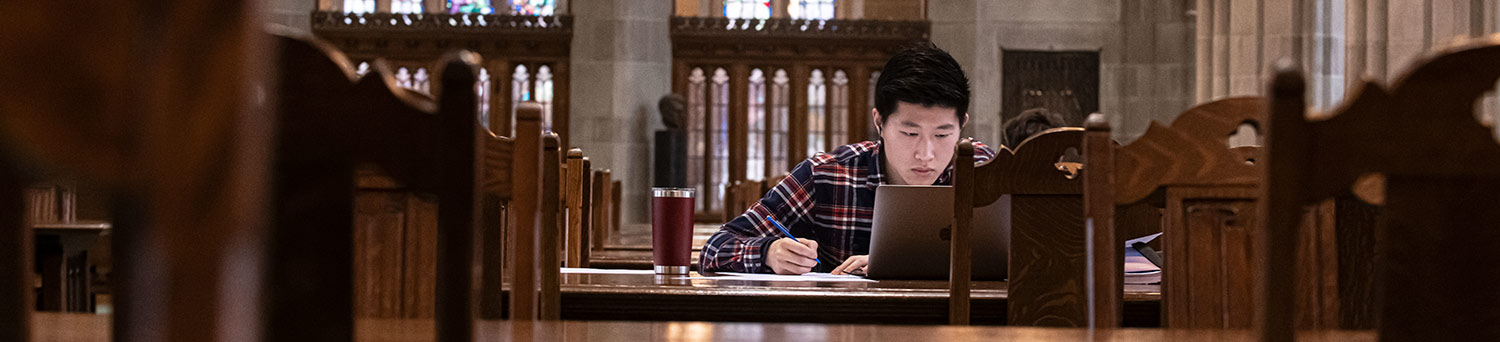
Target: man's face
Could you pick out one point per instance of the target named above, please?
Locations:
(918, 142)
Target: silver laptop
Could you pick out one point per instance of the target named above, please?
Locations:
(909, 238)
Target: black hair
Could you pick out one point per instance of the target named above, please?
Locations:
(923, 75)
(1029, 123)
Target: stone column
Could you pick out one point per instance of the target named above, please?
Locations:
(1153, 78)
(955, 28)
(297, 13)
(621, 65)
(1248, 37)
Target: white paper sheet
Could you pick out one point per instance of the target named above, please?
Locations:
(814, 276)
(1143, 239)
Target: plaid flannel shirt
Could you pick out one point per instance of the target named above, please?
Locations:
(830, 198)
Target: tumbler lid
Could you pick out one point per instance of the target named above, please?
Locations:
(673, 192)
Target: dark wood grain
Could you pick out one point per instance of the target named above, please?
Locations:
(192, 186)
(328, 121)
(90, 328)
(1100, 215)
(586, 218)
(550, 247)
(1048, 261)
(646, 297)
(576, 189)
(1048, 250)
(1356, 234)
(1318, 277)
(1214, 227)
(1192, 151)
(379, 222)
(419, 254)
(524, 212)
(599, 227)
(960, 251)
(498, 152)
(1436, 227)
(460, 173)
(15, 259)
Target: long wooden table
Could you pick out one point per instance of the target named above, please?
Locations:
(664, 298)
(631, 247)
(90, 328)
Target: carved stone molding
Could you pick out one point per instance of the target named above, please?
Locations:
(425, 36)
(795, 39)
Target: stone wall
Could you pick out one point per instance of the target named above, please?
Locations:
(1145, 51)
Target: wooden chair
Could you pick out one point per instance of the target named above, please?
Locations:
(1440, 270)
(549, 240)
(579, 201)
(326, 125)
(1047, 263)
(1207, 192)
(739, 196)
(599, 228)
(157, 123)
(615, 193)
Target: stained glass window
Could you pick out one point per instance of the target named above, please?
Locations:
(817, 96)
(544, 95)
(755, 164)
(403, 78)
(406, 6)
(695, 126)
(747, 9)
(470, 6)
(532, 7)
(720, 142)
(810, 9)
(779, 120)
(359, 6)
(482, 87)
(520, 91)
(838, 110)
(419, 81)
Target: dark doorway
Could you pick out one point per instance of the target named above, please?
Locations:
(1063, 82)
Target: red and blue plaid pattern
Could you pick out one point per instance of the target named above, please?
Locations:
(829, 198)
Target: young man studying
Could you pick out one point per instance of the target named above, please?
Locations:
(826, 203)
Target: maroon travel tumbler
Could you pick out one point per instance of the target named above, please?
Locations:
(671, 229)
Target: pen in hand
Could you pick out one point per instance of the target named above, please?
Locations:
(788, 233)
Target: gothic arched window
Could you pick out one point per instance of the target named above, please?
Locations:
(419, 81)
(780, 119)
(469, 6)
(697, 144)
(482, 87)
(406, 6)
(544, 95)
(720, 143)
(403, 78)
(755, 141)
(359, 6)
(838, 110)
(533, 7)
(810, 9)
(520, 91)
(817, 96)
(747, 9)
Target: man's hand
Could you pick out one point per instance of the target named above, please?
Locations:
(790, 257)
(855, 265)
